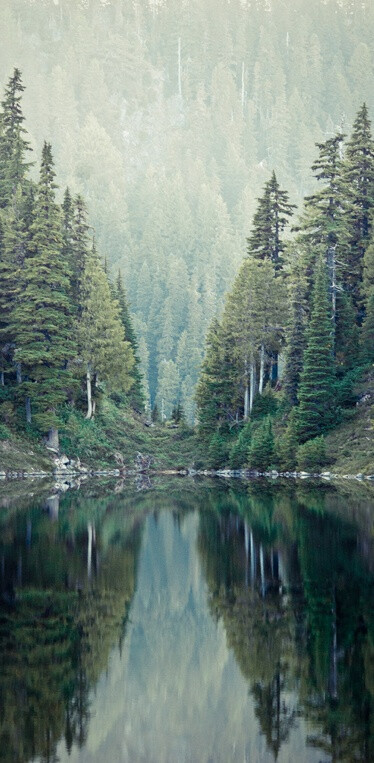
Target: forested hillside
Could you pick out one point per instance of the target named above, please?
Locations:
(297, 331)
(66, 336)
(168, 118)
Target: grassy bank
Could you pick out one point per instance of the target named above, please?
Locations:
(97, 443)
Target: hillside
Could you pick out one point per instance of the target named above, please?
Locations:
(98, 443)
(351, 445)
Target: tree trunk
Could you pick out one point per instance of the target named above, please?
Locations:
(19, 373)
(2, 378)
(262, 370)
(331, 264)
(28, 410)
(53, 439)
(252, 386)
(89, 393)
(246, 390)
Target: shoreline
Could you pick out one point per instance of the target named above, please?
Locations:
(71, 472)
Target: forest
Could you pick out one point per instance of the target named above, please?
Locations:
(234, 295)
(169, 118)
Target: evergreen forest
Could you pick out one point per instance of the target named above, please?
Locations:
(186, 221)
(168, 118)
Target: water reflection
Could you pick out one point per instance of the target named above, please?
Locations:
(188, 623)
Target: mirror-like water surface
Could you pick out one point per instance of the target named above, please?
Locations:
(188, 623)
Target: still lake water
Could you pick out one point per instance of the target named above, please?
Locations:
(187, 622)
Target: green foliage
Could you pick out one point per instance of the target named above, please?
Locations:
(311, 455)
(136, 393)
(101, 337)
(270, 219)
(261, 449)
(316, 409)
(265, 404)
(286, 447)
(295, 339)
(41, 321)
(5, 433)
(367, 338)
(358, 179)
(218, 451)
(239, 451)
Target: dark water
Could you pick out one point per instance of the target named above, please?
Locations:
(188, 623)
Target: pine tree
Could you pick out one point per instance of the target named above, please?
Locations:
(295, 340)
(346, 334)
(136, 392)
(42, 320)
(77, 231)
(261, 449)
(15, 248)
(270, 219)
(358, 178)
(322, 228)
(239, 451)
(13, 144)
(367, 336)
(315, 412)
(286, 447)
(214, 390)
(217, 451)
(105, 353)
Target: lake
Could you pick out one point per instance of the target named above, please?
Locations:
(187, 621)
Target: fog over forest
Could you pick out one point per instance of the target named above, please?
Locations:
(169, 116)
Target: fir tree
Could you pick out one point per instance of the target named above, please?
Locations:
(41, 320)
(367, 336)
(315, 412)
(286, 447)
(239, 451)
(261, 449)
(322, 228)
(105, 353)
(346, 334)
(136, 391)
(217, 451)
(13, 144)
(270, 219)
(358, 177)
(295, 341)
(214, 390)
(77, 232)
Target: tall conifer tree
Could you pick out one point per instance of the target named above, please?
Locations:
(136, 392)
(215, 388)
(295, 339)
(42, 320)
(13, 144)
(270, 219)
(322, 228)
(105, 353)
(358, 177)
(315, 412)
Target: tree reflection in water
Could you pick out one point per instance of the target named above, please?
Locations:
(286, 576)
(289, 572)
